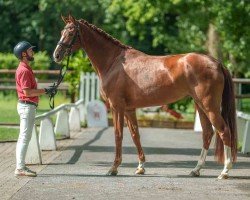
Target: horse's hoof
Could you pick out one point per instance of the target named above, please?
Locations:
(223, 176)
(140, 171)
(194, 173)
(112, 173)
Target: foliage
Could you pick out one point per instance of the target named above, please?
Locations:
(8, 134)
(9, 61)
(41, 61)
(79, 63)
(8, 103)
(178, 26)
(39, 21)
(155, 27)
(232, 23)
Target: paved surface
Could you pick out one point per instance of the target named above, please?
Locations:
(79, 171)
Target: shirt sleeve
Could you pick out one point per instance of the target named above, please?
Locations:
(25, 80)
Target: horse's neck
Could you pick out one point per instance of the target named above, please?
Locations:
(100, 50)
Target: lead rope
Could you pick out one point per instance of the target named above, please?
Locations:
(57, 83)
(62, 74)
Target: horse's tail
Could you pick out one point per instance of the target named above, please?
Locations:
(228, 113)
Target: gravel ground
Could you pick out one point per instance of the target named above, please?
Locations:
(79, 172)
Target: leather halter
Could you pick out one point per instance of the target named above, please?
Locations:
(68, 47)
(63, 70)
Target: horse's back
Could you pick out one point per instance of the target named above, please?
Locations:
(146, 80)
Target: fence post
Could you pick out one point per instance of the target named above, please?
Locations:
(82, 111)
(97, 87)
(197, 123)
(74, 119)
(93, 86)
(81, 92)
(47, 137)
(62, 123)
(87, 85)
(246, 138)
(33, 155)
(239, 92)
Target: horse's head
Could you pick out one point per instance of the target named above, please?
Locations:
(70, 39)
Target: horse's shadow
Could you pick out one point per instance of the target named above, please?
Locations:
(79, 150)
(142, 176)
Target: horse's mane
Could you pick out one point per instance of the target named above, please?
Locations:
(104, 34)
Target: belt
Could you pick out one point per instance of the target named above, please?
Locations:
(28, 102)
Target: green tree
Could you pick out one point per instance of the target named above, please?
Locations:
(178, 26)
(78, 63)
(39, 22)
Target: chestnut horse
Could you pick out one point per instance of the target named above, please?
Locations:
(131, 79)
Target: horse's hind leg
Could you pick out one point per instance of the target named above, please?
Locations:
(224, 134)
(212, 110)
(207, 134)
(133, 127)
(118, 120)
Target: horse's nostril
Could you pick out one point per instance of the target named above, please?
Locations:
(57, 55)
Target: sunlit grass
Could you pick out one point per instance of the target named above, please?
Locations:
(8, 134)
(8, 113)
(8, 105)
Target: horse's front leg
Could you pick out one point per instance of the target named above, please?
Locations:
(118, 120)
(133, 127)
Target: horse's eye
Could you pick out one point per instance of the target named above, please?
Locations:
(70, 34)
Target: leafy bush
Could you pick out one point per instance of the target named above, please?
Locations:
(42, 61)
(79, 62)
(9, 61)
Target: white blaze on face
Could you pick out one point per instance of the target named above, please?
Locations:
(58, 46)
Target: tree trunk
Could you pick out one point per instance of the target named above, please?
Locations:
(213, 42)
(73, 97)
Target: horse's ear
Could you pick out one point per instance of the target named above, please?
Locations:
(72, 19)
(64, 19)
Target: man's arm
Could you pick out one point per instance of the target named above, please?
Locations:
(33, 92)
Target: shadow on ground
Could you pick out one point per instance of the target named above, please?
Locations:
(79, 149)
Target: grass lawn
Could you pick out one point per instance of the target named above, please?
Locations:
(11, 134)
(245, 105)
(8, 103)
(8, 113)
(8, 134)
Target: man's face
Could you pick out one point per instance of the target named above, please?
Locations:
(30, 52)
(28, 55)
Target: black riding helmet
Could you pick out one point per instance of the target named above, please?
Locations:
(22, 46)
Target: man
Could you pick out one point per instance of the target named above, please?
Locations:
(28, 94)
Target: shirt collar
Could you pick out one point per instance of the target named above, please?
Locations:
(23, 64)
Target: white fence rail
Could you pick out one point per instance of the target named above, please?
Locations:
(243, 129)
(69, 118)
(243, 126)
(89, 87)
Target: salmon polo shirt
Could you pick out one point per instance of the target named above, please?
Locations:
(25, 79)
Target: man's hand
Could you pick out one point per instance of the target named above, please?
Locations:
(51, 90)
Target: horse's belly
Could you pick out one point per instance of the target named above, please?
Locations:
(154, 96)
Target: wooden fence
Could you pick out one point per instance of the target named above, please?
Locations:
(89, 85)
(9, 83)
